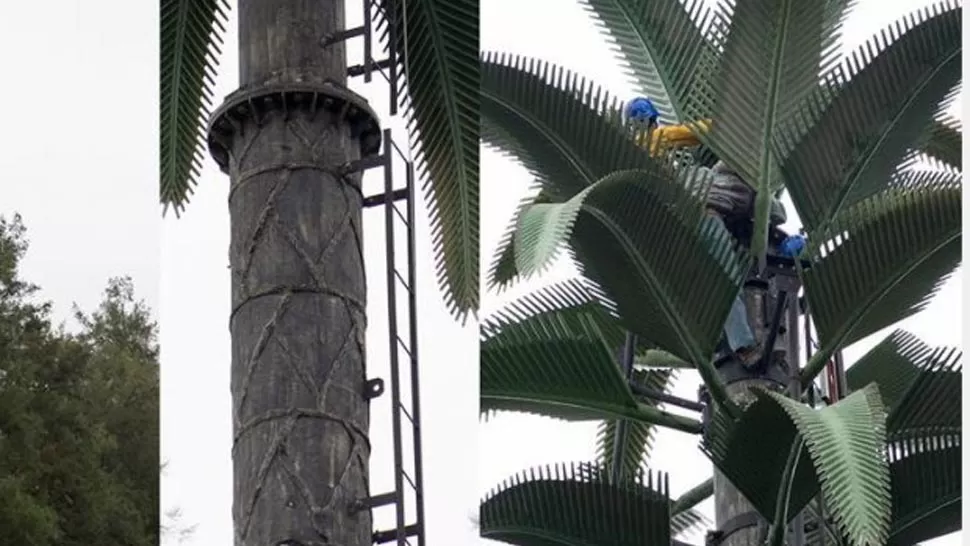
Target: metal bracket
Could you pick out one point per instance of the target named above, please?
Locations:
(733, 525)
(336, 37)
(373, 388)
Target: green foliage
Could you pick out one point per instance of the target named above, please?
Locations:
(843, 138)
(437, 44)
(191, 33)
(558, 359)
(897, 83)
(636, 447)
(897, 249)
(572, 505)
(661, 47)
(78, 416)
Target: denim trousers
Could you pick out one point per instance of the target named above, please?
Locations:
(737, 330)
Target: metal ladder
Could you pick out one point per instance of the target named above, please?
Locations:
(379, 19)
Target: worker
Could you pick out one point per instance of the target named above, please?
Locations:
(730, 197)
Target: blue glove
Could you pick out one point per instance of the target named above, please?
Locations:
(792, 246)
(640, 110)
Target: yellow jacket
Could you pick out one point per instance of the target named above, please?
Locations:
(669, 137)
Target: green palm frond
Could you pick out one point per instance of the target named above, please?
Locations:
(544, 228)
(656, 358)
(558, 125)
(639, 435)
(437, 44)
(569, 505)
(772, 52)
(503, 272)
(860, 138)
(553, 354)
(752, 453)
(844, 452)
(893, 364)
(689, 521)
(943, 142)
(190, 35)
(631, 240)
(660, 45)
(847, 445)
(926, 476)
(933, 401)
(898, 248)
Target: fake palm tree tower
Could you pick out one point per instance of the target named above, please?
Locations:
(289, 139)
(879, 466)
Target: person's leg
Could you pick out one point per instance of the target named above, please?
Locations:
(737, 330)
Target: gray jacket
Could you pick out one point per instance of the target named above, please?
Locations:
(730, 196)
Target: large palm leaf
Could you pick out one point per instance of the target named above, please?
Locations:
(578, 505)
(898, 248)
(660, 45)
(553, 353)
(772, 51)
(859, 139)
(637, 440)
(437, 44)
(844, 453)
(191, 32)
(559, 126)
(942, 142)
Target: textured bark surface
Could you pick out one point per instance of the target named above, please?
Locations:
(300, 421)
(728, 501)
(279, 41)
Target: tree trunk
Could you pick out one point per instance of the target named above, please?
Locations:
(728, 501)
(300, 419)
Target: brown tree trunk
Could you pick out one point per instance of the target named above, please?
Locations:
(728, 501)
(300, 419)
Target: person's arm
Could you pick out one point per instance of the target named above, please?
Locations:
(671, 137)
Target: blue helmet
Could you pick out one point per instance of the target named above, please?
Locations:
(641, 110)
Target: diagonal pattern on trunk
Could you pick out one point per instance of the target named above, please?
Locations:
(300, 446)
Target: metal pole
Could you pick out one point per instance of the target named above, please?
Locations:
(393, 337)
(413, 312)
(795, 390)
(621, 424)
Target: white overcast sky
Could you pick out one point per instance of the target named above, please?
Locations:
(80, 163)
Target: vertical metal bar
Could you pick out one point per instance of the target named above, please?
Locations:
(392, 335)
(413, 318)
(619, 439)
(798, 523)
(392, 51)
(368, 46)
(808, 356)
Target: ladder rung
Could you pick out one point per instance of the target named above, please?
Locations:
(378, 198)
(361, 69)
(410, 481)
(401, 216)
(406, 413)
(403, 346)
(404, 283)
(383, 537)
(364, 164)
